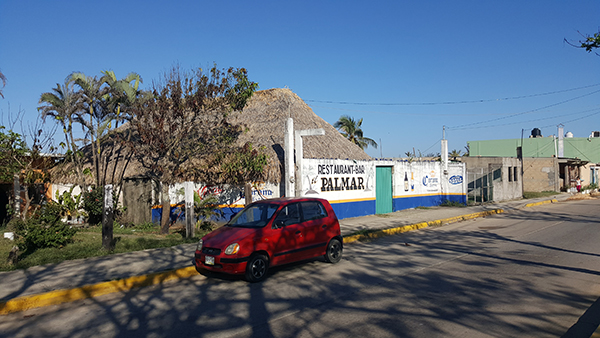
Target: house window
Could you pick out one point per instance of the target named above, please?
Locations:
(515, 175)
(510, 172)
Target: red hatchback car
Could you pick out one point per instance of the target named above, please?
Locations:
(269, 233)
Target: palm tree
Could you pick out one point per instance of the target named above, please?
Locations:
(3, 79)
(351, 130)
(95, 123)
(122, 94)
(63, 103)
(454, 154)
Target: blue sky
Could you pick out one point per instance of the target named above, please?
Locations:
(408, 68)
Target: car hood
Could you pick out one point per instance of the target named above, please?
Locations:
(223, 236)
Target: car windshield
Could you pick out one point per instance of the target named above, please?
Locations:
(254, 216)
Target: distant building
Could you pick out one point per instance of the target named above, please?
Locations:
(549, 163)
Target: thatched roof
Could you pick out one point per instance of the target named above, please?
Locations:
(266, 114)
(264, 119)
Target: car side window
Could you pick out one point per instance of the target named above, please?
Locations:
(290, 214)
(313, 210)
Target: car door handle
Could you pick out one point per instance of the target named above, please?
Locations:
(324, 226)
(298, 232)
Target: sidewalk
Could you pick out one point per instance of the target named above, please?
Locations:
(82, 272)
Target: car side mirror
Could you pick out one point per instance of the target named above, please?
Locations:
(279, 224)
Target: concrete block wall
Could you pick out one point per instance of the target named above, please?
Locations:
(541, 174)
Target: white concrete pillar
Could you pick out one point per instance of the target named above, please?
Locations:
(561, 147)
(299, 153)
(288, 155)
(444, 155)
(189, 209)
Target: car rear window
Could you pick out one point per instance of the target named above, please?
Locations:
(313, 210)
(290, 214)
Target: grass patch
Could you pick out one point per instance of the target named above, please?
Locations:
(383, 215)
(88, 243)
(423, 208)
(455, 204)
(536, 194)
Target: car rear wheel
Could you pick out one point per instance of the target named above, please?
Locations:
(256, 269)
(334, 251)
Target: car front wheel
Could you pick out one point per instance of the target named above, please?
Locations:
(334, 251)
(256, 269)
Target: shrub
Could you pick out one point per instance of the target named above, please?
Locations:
(145, 226)
(93, 204)
(70, 203)
(44, 229)
(17, 225)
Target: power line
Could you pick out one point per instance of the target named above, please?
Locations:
(449, 102)
(540, 119)
(523, 113)
(398, 113)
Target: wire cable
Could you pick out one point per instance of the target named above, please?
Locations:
(449, 102)
(534, 120)
(522, 113)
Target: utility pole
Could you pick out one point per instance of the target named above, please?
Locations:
(444, 155)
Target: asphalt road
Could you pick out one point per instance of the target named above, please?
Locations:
(531, 273)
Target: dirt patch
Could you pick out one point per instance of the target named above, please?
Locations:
(579, 197)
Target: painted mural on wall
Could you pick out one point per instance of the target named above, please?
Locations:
(228, 196)
(346, 179)
(335, 179)
(351, 185)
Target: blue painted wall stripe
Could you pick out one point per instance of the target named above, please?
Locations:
(346, 209)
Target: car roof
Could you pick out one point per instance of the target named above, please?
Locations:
(287, 200)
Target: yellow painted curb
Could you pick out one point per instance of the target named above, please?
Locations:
(416, 226)
(540, 203)
(95, 290)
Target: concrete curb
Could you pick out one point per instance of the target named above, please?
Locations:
(540, 203)
(416, 226)
(89, 291)
(94, 290)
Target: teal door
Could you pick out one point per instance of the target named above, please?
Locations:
(383, 190)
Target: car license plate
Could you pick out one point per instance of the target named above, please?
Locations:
(209, 260)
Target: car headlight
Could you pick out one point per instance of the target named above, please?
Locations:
(199, 246)
(232, 249)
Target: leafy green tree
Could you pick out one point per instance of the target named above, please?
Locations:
(18, 160)
(589, 43)
(12, 150)
(351, 129)
(182, 131)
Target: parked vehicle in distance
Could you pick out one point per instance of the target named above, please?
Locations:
(269, 233)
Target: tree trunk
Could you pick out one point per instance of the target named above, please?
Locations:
(99, 158)
(27, 203)
(76, 159)
(165, 219)
(248, 193)
(93, 145)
